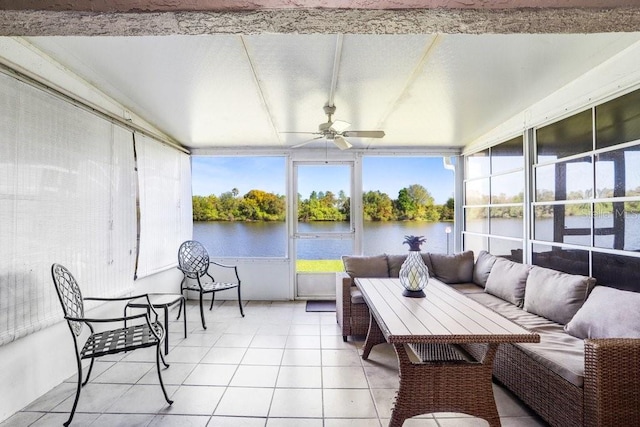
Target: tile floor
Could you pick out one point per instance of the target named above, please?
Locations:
(277, 367)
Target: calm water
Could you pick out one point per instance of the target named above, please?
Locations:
(240, 239)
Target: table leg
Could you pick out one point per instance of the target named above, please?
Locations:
(166, 332)
(374, 337)
(183, 303)
(444, 386)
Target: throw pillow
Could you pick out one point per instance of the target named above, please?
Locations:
(483, 267)
(507, 281)
(607, 313)
(456, 268)
(366, 266)
(556, 295)
(395, 262)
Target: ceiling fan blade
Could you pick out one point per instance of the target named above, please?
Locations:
(364, 133)
(340, 126)
(341, 143)
(305, 133)
(308, 141)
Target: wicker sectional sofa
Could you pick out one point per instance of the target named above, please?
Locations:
(586, 369)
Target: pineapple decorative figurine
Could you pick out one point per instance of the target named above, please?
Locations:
(414, 274)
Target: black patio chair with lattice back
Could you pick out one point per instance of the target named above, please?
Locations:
(193, 261)
(111, 341)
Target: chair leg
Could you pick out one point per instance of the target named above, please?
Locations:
(240, 302)
(213, 298)
(158, 357)
(202, 312)
(88, 373)
(78, 389)
(166, 365)
(181, 302)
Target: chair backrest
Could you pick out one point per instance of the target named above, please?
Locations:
(70, 296)
(193, 258)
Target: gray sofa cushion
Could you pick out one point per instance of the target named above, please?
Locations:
(557, 350)
(483, 267)
(607, 313)
(366, 266)
(356, 296)
(556, 295)
(507, 280)
(456, 268)
(395, 262)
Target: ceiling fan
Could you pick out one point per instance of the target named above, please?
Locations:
(337, 132)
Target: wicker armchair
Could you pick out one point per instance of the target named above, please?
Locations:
(351, 311)
(193, 261)
(141, 335)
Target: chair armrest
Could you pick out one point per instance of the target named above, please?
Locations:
(343, 294)
(612, 381)
(129, 298)
(235, 268)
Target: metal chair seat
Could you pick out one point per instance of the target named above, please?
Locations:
(211, 286)
(123, 339)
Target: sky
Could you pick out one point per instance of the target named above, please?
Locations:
(216, 175)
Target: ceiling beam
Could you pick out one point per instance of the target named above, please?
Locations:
(321, 21)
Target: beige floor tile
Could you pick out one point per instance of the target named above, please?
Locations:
(382, 376)
(21, 419)
(268, 341)
(421, 422)
(384, 399)
(255, 376)
(457, 422)
(226, 355)
(348, 357)
(211, 374)
(53, 398)
(199, 340)
(301, 357)
(263, 356)
(330, 329)
(194, 400)
(343, 377)
(305, 329)
(95, 397)
(234, 340)
(522, 422)
(353, 422)
(303, 341)
(179, 421)
(186, 354)
(217, 421)
(348, 403)
(296, 403)
(294, 422)
(122, 420)
(335, 341)
(175, 374)
(57, 419)
(245, 402)
(274, 328)
(141, 399)
(299, 377)
(125, 373)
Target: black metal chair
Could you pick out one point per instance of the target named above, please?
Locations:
(193, 261)
(101, 343)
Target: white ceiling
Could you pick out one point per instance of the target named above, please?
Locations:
(245, 90)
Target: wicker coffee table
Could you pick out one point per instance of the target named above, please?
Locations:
(436, 374)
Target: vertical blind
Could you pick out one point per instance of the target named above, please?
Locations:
(68, 192)
(67, 195)
(165, 204)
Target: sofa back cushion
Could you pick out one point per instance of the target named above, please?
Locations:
(607, 313)
(508, 280)
(366, 266)
(395, 262)
(483, 266)
(555, 295)
(456, 268)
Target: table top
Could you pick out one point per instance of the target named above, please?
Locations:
(443, 316)
(157, 300)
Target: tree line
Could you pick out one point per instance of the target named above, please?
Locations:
(413, 203)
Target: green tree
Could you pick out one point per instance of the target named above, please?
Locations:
(377, 206)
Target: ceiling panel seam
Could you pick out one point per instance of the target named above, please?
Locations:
(263, 99)
(411, 80)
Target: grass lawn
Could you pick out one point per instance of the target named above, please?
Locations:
(319, 265)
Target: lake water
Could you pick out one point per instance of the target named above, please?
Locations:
(269, 239)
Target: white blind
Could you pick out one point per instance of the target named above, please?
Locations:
(164, 185)
(67, 195)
